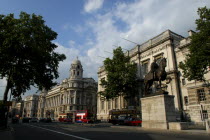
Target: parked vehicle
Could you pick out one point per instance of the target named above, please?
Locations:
(26, 120)
(33, 120)
(42, 119)
(133, 122)
(61, 119)
(15, 120)
(67, 120)
(48, 120)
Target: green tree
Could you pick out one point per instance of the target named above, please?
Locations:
(121, 76)
(198, 60)
(27, 53)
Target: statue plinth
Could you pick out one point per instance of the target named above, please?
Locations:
(159, 92)
(158, 111)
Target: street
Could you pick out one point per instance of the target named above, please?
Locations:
(64, 131)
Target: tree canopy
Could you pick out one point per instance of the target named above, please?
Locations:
(121, 76)
(197, 62)
(27, 53)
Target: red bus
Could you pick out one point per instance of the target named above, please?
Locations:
(82, 116)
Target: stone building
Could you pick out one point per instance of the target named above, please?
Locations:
(74, 93)
(16, 109)
(195, 94)
(41, 104)
(190, 97)
(30, 106)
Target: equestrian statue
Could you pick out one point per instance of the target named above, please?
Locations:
(156, 73)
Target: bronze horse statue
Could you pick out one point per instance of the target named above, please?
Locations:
(157, 73)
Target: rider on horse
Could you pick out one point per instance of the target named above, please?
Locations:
(154, 67)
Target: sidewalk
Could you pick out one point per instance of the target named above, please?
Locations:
(189, 131)
(6, 134)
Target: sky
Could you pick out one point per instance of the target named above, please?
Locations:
(90, 29)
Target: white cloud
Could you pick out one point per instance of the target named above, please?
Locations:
(93, 5)
(139, 21)
(71, 43)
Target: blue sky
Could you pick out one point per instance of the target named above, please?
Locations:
(88, 28)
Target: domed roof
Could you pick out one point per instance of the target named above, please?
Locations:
(76, 61)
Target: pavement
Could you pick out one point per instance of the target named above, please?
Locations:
(8, 133)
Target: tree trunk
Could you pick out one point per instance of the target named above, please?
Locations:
(5, 109)
(6, 91)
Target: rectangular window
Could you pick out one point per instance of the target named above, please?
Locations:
(145, 67)
(77, 107)
(78, 101)
(183, 81)
(101, 80)
(109, 104)
(158, 58)
(116, 103)
(201, 95)
(72, 100)
(205, 114)
(102, 104)
(71, 107)
(186, 100)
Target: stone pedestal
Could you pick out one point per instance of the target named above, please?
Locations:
(158, 111)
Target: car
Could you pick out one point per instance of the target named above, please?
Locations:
(15, 120)
(32, 120)
(61, 119)
(67, 120)
(48, 120)
(26, 120)
(134, 122)
(42, 119)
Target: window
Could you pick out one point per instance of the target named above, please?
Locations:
(183, 81)
(109, 104)
(74, 72)
(116, 103)
(72, 100)
(77, 73)
(201, 95)
(158, 58)
(103, 86)
(145, 67)
(71, 107)
(78, 66)
(205, 114)
(102, 104)
(78, 101)
(186, 100)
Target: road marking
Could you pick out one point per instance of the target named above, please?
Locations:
(60, 133)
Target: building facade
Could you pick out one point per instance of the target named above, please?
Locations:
(30, 106)
(191, 98)
(74, 93)
(16, 109)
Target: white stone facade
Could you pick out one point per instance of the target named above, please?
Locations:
(74, 93)
(30, 106)
(174, 48)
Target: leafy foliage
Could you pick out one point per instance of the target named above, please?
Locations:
(27, 54)
(198, 60)
(121, 76)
